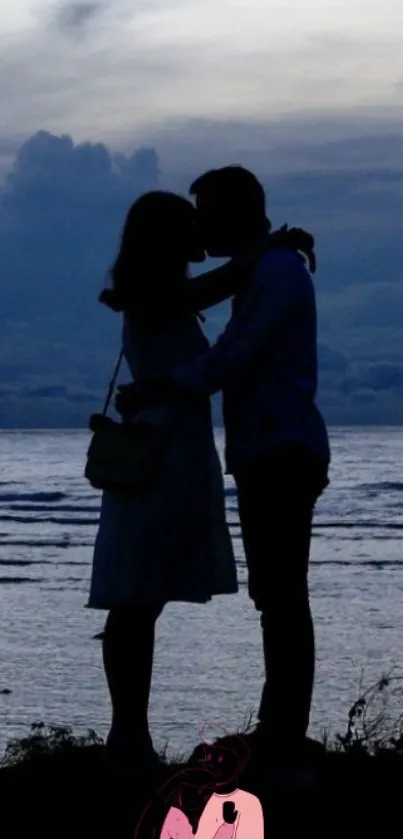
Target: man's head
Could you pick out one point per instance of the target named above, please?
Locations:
(231, 207)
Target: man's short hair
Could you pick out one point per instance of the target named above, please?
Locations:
(232, 185)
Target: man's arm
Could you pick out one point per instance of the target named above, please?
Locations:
(271, 291)
(206, 290)
(202, 292)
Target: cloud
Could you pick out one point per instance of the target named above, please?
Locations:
(356, 142)
(8, 150)
(76, 16)
(130, 67)
(375, 377)
(68, 168)
(61, 212)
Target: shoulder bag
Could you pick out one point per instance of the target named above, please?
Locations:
(123, 456)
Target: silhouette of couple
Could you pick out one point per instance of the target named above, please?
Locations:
(172, 542)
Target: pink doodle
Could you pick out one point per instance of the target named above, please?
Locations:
(226, 831)
(204, 801)
(248, 822)
(176, 826)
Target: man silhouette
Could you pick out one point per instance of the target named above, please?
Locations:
(277, 449)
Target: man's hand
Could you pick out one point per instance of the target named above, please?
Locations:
(126, 399)
(98, 421)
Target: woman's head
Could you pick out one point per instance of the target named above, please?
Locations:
(159, 239)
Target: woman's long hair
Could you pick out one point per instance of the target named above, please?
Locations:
(159, 238)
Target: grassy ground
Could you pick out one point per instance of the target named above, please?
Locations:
(54, 785)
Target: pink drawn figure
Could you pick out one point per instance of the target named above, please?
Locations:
(205, 801)
(246, 821)
(230, 815)
(230, 824)
(229, 812)
(176, 825)
(226, 831)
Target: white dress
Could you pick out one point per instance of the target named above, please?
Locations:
(173, 543)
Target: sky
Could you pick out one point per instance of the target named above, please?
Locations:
(309, 95)
(123, 70)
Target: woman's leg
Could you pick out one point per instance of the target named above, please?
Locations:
(128, 652)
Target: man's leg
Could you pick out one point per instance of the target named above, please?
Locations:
(276, 517)
(128, 651)
(289, 657)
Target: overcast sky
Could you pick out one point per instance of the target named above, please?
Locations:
(123, 68)
(308, 93)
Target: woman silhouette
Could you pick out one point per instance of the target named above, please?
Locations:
(172, 543)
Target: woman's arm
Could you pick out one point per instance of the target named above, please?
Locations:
(203, 292)
(219, 284)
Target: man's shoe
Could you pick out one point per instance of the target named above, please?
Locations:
(268, 750)
(284, 765)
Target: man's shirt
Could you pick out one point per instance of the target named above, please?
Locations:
(265, 363)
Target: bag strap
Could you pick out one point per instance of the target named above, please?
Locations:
(116, 373)
(112, 383)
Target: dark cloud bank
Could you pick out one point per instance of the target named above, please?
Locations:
(61, 211)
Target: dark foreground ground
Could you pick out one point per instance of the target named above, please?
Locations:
(67, 794)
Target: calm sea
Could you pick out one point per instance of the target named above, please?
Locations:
(208, 662)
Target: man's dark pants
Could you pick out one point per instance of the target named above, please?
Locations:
(276, 499)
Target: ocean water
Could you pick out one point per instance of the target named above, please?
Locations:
(208, 667)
